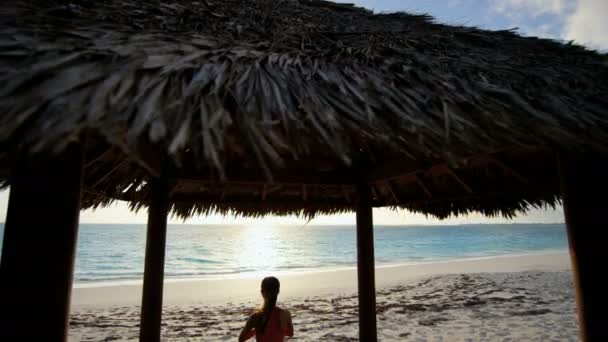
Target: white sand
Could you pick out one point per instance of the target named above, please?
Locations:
(220, 292)
(478, 299)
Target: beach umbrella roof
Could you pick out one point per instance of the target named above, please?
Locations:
(283, 107)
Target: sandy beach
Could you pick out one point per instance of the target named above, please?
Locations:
(520, 297)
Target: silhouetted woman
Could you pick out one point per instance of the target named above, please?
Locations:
(270, 323)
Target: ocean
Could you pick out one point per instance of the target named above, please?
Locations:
(114, 253)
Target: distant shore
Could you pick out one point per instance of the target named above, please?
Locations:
(521, 298)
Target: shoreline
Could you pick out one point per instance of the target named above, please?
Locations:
(135, 282)
(314, 283)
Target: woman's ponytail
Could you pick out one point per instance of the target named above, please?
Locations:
(270, 291)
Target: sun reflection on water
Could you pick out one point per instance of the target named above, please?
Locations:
(259, 249)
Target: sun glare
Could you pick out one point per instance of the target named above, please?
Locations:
(259, 250)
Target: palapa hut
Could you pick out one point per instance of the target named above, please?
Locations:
(281, 107)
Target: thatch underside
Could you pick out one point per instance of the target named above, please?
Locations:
(283, 106)
(501, 183)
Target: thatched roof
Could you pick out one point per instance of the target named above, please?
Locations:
(282, 106)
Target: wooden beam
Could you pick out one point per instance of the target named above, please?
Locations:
(101, 156)
(584, 186)
(488, 160)
(152, 298)
(342, 199)
(395, 170)
(476, 197)
(365, 266)
(509, 170)
(390, 190)
(145, 158)
(107, 174)
(297, 177)
(273, 189)
(173, 189)
(88, 191)
(423, 187)
(458, 179)
(253, 200)
(39, 247)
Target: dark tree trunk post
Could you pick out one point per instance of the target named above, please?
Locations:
(584, 186)
(365, 266)
(39, 247)
(152, 298)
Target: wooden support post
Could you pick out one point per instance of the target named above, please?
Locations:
(39, 247)
(584, 187)
(365, 266)
(152, 298)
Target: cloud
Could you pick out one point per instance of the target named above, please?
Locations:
(454, 3)
(531, 7)
(541, 18)
(587, 25)
(583, 21)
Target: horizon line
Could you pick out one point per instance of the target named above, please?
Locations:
(325, 225)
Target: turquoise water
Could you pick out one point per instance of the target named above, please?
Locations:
(116, 252)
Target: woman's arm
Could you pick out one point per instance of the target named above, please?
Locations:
(248, 331)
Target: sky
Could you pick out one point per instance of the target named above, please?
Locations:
(581, 21)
